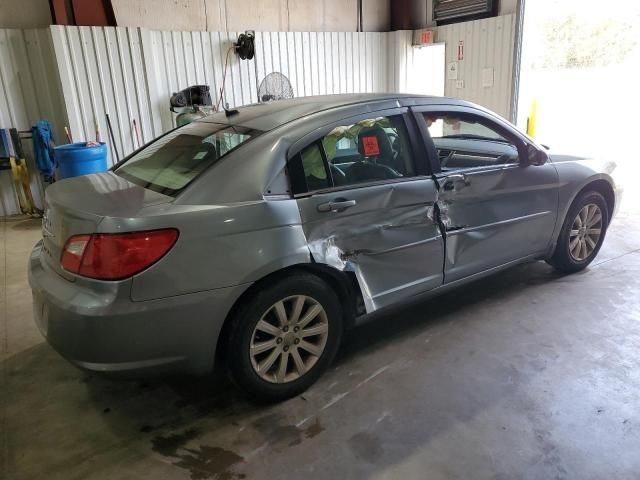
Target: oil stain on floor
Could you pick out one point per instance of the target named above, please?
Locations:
(202, 463)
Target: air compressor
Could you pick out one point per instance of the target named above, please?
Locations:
(191, 104)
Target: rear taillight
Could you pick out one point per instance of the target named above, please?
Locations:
(73, 251)
(114, 256)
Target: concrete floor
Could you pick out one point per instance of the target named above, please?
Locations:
(528, 374)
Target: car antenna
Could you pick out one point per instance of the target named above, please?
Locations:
(229, 111)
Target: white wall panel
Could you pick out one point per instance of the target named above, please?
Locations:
(29, 84)
(131, 73)
(103, 71)
(488, 43)
(75, 75)
(29, 91)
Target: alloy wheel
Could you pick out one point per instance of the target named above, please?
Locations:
(289, 339)
(585, 232)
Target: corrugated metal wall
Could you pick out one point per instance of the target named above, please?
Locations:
(130, 73)
(399, 52)
(29, 91)
(488, 43)
(103, 71)
(315, 63)
(28, 78)
(76, 75)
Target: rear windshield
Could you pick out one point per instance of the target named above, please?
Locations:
(170, 163)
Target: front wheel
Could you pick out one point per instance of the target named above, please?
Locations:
(582, 233)
(284, 337)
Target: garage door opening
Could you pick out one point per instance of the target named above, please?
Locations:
(578, 91)
(427, 70)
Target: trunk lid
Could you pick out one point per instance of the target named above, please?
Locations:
(78, 205)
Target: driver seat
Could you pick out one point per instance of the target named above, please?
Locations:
(375, 149)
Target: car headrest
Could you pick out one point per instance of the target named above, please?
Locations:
(374, 142)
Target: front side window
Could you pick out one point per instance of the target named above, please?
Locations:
(467, 141)
(170, 163)
(370, 150)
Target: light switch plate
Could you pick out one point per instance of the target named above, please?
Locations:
(459, 83)
(487, 77)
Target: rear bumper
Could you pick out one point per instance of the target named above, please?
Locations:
(96, 326)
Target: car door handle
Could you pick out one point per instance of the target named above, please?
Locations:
(451, 181)
(337, 205)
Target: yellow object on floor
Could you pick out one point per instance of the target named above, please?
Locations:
(22, 185)
(531, 121)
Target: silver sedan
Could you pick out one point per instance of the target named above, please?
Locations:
(257, 236)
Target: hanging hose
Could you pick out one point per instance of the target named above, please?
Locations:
(224, 76)
(245, 46)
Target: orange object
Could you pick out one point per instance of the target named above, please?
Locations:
(426, 37)
(370, 146)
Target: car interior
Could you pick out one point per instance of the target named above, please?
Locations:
(454, 153)
(377, 149)
(370, 150)
(462, 141)
(375, 157)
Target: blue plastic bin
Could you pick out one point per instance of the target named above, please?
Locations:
(77, 159)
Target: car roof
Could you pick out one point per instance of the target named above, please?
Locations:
(269, 115)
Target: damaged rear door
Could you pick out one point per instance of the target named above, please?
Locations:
(367, 206)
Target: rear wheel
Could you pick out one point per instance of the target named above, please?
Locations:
(582, 233)
(284, 337)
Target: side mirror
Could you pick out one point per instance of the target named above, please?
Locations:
(535, 156)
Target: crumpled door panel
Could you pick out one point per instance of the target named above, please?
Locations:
(495, 216)
(389, 238)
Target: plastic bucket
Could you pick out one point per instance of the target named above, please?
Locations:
(77, 159)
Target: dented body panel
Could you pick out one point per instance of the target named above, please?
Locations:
(389, 239)
(494, 216)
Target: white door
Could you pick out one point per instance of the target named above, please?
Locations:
(425, 70)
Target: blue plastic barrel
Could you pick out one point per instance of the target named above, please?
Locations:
(77, 159)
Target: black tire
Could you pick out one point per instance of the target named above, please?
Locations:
(241, 332)
(562, 259)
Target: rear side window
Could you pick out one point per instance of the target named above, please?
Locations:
(371, 150)
(170, 163)
(314, 168)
